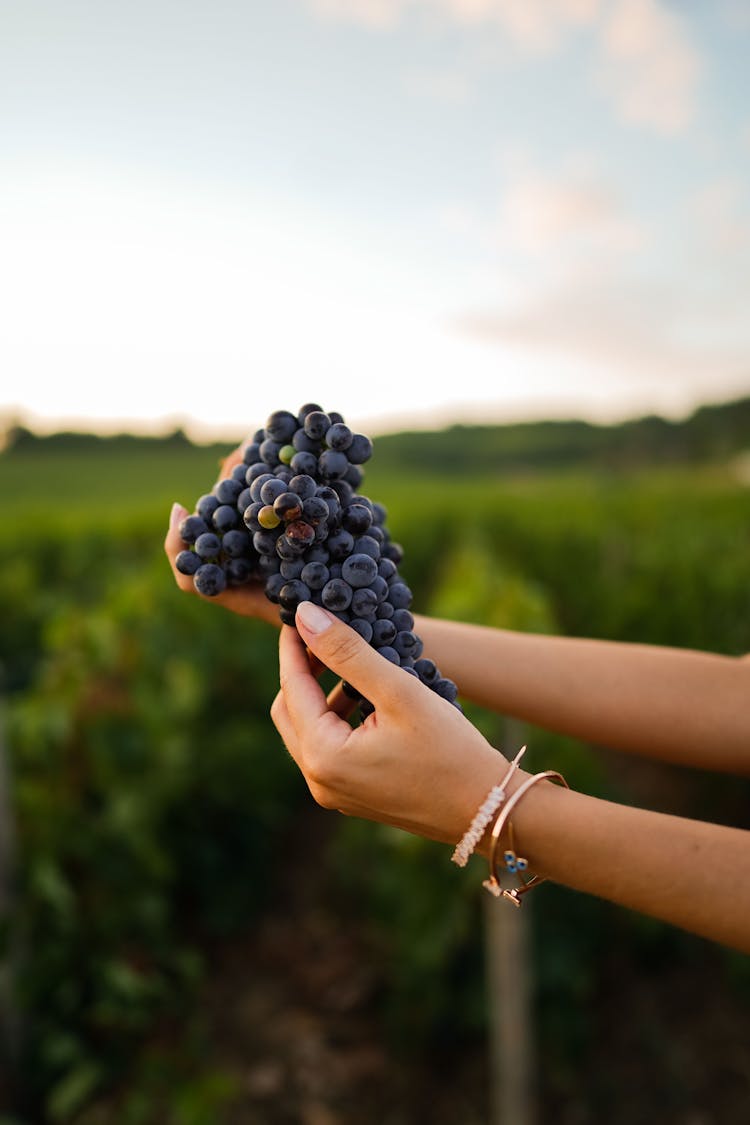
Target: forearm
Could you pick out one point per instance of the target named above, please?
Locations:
(679, 705)
(687, 873)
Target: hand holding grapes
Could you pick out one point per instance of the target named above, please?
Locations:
(415, 763)
(287, 523)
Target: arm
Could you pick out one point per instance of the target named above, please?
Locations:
(685, 872)
(680, 705)
(417, 763)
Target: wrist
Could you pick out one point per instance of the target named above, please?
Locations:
(506, 859)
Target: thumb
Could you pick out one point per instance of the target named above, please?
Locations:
(349, 656)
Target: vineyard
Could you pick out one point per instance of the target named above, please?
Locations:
(189, 940)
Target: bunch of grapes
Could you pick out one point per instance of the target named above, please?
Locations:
(292, 516)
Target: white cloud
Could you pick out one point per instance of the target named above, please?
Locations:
(532, 24)
(648, 64)
(643, 329)
(643, 59)
(571, 219)
(722, 227)
(589, 288)
(535, 24)
(371, 13)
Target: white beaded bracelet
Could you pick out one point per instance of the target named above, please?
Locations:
(484, 815)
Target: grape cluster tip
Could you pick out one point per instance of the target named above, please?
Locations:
(292, 516)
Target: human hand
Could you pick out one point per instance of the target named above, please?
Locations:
(416, 763)
(248, 600)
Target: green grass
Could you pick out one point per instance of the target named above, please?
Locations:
(108, 484)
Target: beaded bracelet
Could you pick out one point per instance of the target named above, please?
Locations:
(484, 815)
(515, 864)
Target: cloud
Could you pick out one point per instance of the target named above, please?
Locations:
(635, 327)
(643, 60)
(648, 65)
(589, 287)
(723, 228)
(536, 25)
(571, 217)
(378, 14)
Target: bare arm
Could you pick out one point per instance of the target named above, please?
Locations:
(419, 765)
(688, 873)
(679, 705)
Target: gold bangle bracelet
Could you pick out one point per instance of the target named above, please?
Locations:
(516, 865)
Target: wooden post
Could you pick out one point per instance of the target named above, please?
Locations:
(508, 975)
(10, 1029)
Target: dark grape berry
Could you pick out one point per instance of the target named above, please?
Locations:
(238, 571)
(316, 424)
(332, 464)
(340, 544)
(271, 489)
(315, 574)
(228, 490)
(339, 437)
(236, 544)
(304, 464)
(191, 527)
(208, 545)
(356, 518)
(399, 595)
(187, 562)
(273, 586)
(210, 580)
(360, 449)
(364, 628)
(205, 507)
(364, 603)
(383, 632)
(292, 593)
(336, 594)
(288, 505)
(225, 517)
(280, 426)
(359, 570)
(304, 485)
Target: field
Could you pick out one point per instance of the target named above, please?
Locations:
(165, 963)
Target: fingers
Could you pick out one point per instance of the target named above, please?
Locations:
(304, 699)
(349, 656)
(300, 713)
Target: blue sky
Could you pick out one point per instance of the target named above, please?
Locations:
(413, 211)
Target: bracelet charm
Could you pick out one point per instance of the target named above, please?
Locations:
(514, 864)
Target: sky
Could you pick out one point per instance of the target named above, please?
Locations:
(413, 212)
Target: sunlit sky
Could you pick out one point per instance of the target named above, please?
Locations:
(414, 212)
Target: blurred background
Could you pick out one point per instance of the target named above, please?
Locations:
(511, 243)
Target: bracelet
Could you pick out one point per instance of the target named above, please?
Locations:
(484, 815)
(515, 864)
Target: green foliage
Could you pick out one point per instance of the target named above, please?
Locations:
(711, 434)
(151, 796)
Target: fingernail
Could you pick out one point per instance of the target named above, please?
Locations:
(176, 515)
(314, 618)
